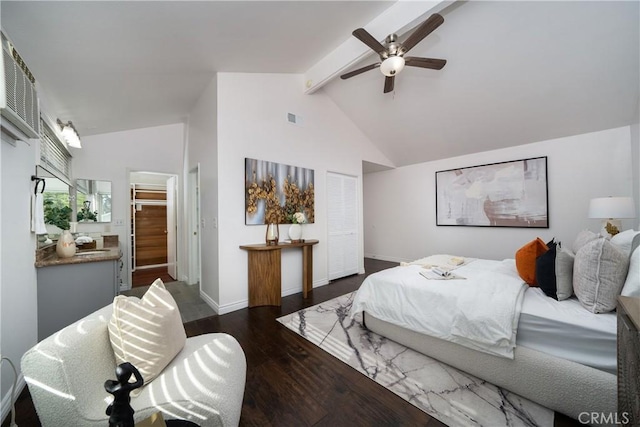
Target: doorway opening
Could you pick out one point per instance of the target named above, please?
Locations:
(153, 243)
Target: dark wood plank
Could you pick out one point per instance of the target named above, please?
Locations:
(290, 381)
(146, 276)
(151, 235)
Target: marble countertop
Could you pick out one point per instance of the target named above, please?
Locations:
(46, 257)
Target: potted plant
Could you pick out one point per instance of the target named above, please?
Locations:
(85, 214)
(56, 213)
(295, 230)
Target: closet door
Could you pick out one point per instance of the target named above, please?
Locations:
(342, 205)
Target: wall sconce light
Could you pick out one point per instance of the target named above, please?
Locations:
(611, 210)
(70, 134)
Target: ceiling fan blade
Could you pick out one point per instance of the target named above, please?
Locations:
(434, 64)
(366, 38)
(359, 71)
(423, 31)
(388, 84)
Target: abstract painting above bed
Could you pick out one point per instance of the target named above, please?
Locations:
(506, 194)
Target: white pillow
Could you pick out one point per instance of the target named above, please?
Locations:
(584, 237)
(632, 284)
(564, 273)
(625, 240)
(147, 332)
(599, 272)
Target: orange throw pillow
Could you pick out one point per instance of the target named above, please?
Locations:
(526, 260)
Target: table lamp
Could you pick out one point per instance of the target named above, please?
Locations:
(611, 210)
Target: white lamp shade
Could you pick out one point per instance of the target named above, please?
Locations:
(612, 207)
(392, 65)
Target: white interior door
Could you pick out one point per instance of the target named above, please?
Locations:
(172, 267)
(194, 225)
(342, 205)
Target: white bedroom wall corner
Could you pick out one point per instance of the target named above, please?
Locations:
(18, 309)
(398, 211)
(580, 167)
(203, 150)
(253, 123)
(360, 143)
(183, 213)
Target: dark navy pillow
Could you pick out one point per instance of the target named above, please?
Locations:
(546, 271)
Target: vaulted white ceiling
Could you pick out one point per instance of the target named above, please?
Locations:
(517, 72)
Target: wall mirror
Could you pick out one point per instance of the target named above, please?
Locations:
(57, 207)
(93, 200)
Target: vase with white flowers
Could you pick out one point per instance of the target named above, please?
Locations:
(295, 230)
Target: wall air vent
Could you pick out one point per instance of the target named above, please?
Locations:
(18, 97)
(294, 119)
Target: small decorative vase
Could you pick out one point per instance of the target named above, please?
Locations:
(295, 233)
(273, 234)
(66, 246)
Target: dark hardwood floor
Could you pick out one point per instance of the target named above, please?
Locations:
(146, 276)
(291, 382)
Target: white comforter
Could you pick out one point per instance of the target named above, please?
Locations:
(480, 312)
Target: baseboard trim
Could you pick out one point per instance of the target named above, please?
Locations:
(385, 258)
(210, 302)
(6, 399)
(228, 308)
(223, 309)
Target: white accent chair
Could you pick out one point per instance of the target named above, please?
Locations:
(66, 372)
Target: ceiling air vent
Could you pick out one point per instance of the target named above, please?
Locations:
(18, 97)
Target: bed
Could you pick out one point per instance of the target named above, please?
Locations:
(559, 355)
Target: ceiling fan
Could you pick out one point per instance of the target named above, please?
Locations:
(392, 59)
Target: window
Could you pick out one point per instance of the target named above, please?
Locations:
(54, 157)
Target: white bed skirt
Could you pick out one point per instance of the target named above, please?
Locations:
(558, 384)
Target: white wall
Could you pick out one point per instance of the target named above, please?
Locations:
(400, 204)
(203, 149)
(18, 310)
(252, 122)
(111, 156)
(635, 156)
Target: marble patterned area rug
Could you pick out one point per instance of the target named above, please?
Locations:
(447, 394)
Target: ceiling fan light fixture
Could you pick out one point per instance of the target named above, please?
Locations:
(392, 65)
(392, 52)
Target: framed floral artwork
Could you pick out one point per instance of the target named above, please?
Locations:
(278, 193)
